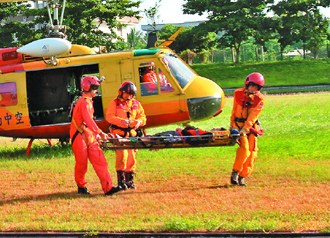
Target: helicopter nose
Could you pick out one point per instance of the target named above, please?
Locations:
(206, 99)
(205, 107)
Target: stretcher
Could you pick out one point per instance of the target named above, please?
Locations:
(216, 138)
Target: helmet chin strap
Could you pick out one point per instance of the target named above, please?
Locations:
(120, 96)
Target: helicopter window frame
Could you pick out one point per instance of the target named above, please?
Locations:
(165, 85)
(180, 71)
(148, 88)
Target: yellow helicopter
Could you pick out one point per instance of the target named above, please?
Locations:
(40, 81)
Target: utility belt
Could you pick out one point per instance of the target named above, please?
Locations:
(255, 129)
(125, 132)
(237, 119)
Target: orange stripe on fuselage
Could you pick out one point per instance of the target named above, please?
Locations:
(36, 65)
(11, 68)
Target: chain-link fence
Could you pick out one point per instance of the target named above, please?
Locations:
(252, 53)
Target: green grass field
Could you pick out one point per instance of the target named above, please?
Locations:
(281, 73)
(182, 190)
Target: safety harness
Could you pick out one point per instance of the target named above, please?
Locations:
(79, 129)
(245, 105)
(127, 131)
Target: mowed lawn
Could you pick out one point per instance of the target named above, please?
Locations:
(182, 190)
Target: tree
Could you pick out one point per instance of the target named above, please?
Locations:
(328, 44)
(188, 56)
(301, 21)
(265, 30)
(236, 19)
(202, 39)
(14, 33)
(196, 39)
(183, 40)
(152, 16)
(82, 28)
(136, 39)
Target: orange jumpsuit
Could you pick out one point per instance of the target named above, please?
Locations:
(85, 145)
(150, 77)
(245, 113)
(132, 110)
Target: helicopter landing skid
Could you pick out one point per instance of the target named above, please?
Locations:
(28, 149)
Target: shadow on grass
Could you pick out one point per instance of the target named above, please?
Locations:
(47, 197)
(37, 152)
(224, 186)
(64, 195)
(43, 197)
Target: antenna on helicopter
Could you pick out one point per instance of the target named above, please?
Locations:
(57, 30)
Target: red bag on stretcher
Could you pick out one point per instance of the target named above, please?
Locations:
(195, 136)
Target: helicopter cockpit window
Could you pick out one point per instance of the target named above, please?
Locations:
(165, 86)
(148, 79)
(8, 94)
(178, 69)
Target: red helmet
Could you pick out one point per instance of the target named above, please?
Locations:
(256, 78)
(88, 81)
(127, 87)
(151, 66)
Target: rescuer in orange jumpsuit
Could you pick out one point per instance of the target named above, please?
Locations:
(84, 134)
(126, 115)
(150, 76)
(247, 106)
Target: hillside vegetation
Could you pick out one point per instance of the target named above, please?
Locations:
(282, 73)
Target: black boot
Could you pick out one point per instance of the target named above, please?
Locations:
(83, 191)
(241, 181)
(129, 180)
(234, 177)
(121, 180)
(112, 191)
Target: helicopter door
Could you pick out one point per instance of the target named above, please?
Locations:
(13, 102)
(126, 70)
(160, 102)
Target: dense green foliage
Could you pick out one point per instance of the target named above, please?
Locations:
(81, 18)
(230, 25)
(237, 22)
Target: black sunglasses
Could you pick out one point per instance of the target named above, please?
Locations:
(94, 87)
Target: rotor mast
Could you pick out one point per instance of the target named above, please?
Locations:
(56, 28)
